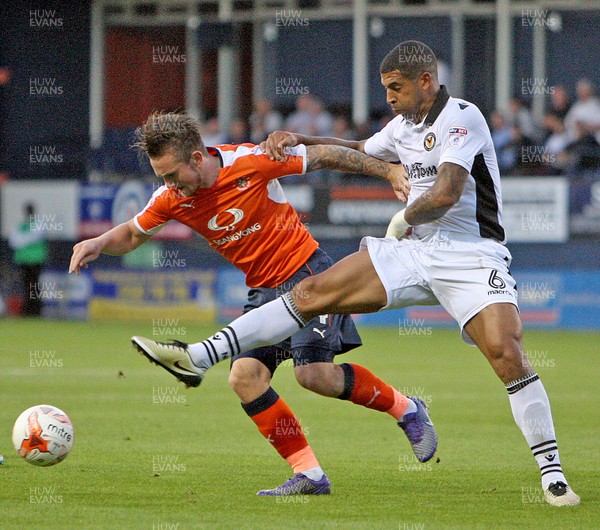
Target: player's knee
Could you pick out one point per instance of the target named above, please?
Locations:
(321, 378)
(504, 346)
(305, 294)
(505, 351)
(245, 381)
(307, 376)
(239, 382)
(312, 296)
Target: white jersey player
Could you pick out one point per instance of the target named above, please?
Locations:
(453, 131)
(469, 234)
(445, 248)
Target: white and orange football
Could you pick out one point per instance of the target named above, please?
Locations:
(43, 435)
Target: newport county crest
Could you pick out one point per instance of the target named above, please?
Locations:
(242, 183)
(429, 142)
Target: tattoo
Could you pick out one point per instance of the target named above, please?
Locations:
(345, 159)
(444, 194)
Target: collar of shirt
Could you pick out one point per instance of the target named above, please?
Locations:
(437, 107)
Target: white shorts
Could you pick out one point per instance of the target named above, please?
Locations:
(461, 272)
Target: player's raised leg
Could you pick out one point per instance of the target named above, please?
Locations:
(350, 286)
(497, 331)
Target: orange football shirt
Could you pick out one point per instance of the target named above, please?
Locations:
(244, 216)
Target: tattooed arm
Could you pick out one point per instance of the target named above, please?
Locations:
(445, 193)
(433, 204)
(352, 161)
(274, 146)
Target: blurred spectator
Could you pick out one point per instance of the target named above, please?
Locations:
(557, 140)
(363, 130)
(309, 118)
(560, 102)
(585, 112)
(211, 133)
(583, 154)
(341, 129)
(238, 133)
(520, 116)
(300, 121)
(322, 120)
(527, 155)
(502, 138)
(30, 253)
(263, 121)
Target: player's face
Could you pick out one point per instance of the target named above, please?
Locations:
(185, 177)
(403, 95)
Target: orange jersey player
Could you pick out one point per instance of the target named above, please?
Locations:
(244, 215)
(230, 195)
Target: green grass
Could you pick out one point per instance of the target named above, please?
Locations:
(486, 477)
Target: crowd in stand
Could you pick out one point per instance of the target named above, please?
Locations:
(309, 118)
(566, 141)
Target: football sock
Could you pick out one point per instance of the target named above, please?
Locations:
(277, 423)
(412, 407)
(314, 473)
(531, 411)
(267, 324)
(364, 388)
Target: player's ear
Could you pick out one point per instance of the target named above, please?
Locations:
(197, 158)
(425, 80)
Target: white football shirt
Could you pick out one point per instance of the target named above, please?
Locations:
(453, 131)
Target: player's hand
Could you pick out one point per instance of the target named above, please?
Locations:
(399, 180)
(274, 146)
(83, 253)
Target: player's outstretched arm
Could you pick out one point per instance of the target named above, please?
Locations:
(345, 159)
(274, 146)
(120, 240)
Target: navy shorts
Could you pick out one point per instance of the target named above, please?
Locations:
(320, 340)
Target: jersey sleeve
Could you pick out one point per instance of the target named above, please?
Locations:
(381, 145)
(464, 137)
(155, 214)
(294, 164)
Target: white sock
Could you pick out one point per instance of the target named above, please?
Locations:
(531, 411)
(412, 407)
(314, 473)
(267, 324)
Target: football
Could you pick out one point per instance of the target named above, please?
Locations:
(43, 435)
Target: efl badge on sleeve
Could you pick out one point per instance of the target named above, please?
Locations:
(456, 136)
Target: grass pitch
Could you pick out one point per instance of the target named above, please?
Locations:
(151, 455)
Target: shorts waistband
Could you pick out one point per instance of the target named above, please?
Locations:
(442, 234)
